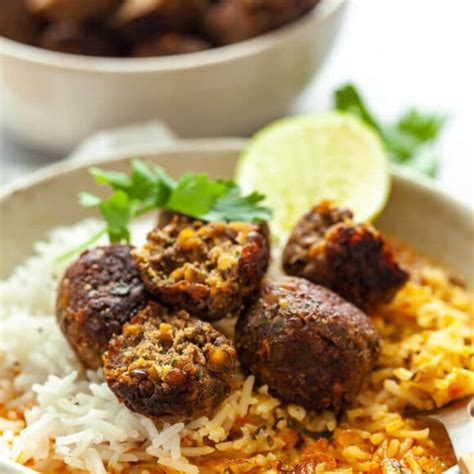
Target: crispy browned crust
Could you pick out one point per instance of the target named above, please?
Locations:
(98, 293)
(167, 364)
(308, 344)
(328, 248)
(210, 270)
(230, 21)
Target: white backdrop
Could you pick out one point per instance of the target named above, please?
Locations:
(403, 53)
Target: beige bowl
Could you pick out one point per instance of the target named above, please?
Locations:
(52, 100)
(416, 212)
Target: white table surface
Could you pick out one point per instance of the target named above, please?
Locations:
(400, 53)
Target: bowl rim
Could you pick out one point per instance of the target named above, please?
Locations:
(183, 146)
(259, 44)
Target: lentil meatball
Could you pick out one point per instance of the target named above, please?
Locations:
(328, 248)
(99, 292)
(231, 21)
(307, 344)
(210, 270)
(167, 364)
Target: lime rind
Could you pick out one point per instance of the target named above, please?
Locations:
(299, 161)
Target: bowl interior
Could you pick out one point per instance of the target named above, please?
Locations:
(417, 213)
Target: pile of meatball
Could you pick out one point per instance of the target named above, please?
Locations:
(144, 314)
(142, 28)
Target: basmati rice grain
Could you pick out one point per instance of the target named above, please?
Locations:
(246, 394)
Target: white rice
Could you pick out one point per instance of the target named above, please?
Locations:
(71, 416)
(74, 417)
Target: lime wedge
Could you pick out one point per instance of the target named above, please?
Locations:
(299, 161)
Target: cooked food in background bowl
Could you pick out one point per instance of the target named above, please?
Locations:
(143, 28)
(74, 95)
(412, 351)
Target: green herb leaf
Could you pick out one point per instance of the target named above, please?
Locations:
(407, 139)
(399, 145)
(143, 182)
(234, 207)
(114, 179)
(164, 188)
(118, 212)
(195, 194)
(148, 188)
(89, 200)
(425, 127)
(168, 183)
(152, 187)
(347, 99)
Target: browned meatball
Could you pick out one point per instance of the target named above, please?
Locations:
(99, 292)
(70, 10)
(308, 344)
(328, 248)
(76, 38)
(230, 21)
(167, 44)
(17, 22)
(167, 364)
(210, 270)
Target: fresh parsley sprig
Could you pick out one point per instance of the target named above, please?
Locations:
(148, 188)
(409, 141)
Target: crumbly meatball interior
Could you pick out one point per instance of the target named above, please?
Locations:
(167, 364)
(98, 293)
(310, 346)
(210, 270)
(328, 248)
(170, 217)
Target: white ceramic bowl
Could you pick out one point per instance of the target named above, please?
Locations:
(52, 100)
(416, 212)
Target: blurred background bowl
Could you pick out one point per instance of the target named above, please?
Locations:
(51, 101)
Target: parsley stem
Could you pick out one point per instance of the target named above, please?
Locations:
(145, 210)
(71, 253)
